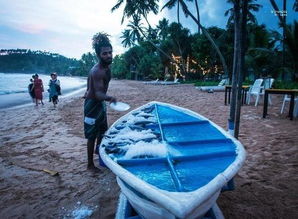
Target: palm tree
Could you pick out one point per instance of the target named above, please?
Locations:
(152, 33)
(139, 7)
(127, 39)
(170, 4)
(292, 46)
(180, 39)
(288, 34)
(295, 6)
(162, 28)
(136, 32)
(206, 33)
(198, 15)
(137, 28)
(251, 6)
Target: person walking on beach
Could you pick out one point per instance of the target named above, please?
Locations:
(31, 91)
(54, 88)
(95, 118)
(38, 89)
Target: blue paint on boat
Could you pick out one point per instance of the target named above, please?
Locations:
(196, 150)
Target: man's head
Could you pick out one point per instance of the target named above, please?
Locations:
(103, 48)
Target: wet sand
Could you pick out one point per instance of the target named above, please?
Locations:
(32, 139)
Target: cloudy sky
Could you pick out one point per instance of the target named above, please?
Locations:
(67, 26)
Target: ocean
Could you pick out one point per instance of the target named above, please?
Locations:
(14, 87)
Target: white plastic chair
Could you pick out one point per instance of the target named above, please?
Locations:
(287, 99)
(219, 87)
(223, 82)
(267, 84)
(255, 90)
(176, 81)
(151, 82)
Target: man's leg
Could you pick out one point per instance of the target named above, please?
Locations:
(90, 151)
(98, 143)
(101, 163)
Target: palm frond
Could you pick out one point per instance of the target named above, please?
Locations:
(119, 3)
(170, 4)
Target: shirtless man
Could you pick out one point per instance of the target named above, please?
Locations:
(95, 118)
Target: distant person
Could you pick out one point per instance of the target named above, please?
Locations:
(54, 89)
(38, 89)
(95, 118)
(31, 91)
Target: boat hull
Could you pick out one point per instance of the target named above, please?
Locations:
(181, 167)
(148, 209)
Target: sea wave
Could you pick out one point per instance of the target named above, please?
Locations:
(12, 92)
(17, 83)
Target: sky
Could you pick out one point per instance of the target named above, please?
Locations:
(67, 26)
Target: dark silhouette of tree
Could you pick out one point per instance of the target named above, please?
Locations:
(251, 7)
(27, 61)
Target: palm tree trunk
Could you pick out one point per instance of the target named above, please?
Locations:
(231, 120)
(149, 26)
(241, 65)
(275, 7)
(198, 15)
(206, 33)
(284, 38)
(178, 14)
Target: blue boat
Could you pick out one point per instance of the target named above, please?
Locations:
(169, 161)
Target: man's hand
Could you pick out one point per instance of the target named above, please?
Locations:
(112, 100)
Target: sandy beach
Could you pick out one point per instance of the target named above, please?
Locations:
(33, 139)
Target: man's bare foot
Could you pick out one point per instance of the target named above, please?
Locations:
(93, 168)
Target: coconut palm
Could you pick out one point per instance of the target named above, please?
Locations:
(251, 7)
(127, 39)
(136, 27)
(139, 7)
(171, 3)
(288, 34)
(205, 32)
(163, 28)
(292, 46)
(295, 6)
(198, 15)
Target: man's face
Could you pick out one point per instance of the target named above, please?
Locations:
(106, 55)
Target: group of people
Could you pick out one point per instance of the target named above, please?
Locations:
(36, 89)
(95, 115)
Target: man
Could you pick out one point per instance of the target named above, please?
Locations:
(95, 118)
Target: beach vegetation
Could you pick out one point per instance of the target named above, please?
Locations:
(29, 61)
(207, 54)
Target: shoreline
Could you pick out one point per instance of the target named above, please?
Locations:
(18, 100)
(37, 138)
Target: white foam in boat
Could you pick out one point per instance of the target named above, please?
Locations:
(141, 148)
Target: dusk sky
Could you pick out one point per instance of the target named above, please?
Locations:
(66, 27)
